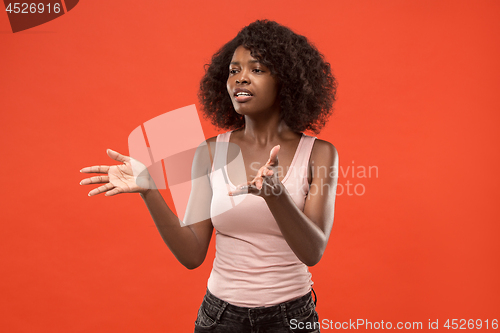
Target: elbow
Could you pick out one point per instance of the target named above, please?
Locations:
(191, 266)
(193, 263)
(313, 259)
(318, 250)
(314, 256)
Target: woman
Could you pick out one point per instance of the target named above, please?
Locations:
(267, 86)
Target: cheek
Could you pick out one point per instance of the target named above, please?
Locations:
(273, 89)
(229, 89)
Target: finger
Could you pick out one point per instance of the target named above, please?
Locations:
(259, 178)
(114, 191)
(250, 189)
(260, 172)
(101, 189)
(273, 156)
(96, 169)
(95, 180)
(117, 156)
(264, 171)
(268, 173)
(240, 189)
(237, 192)
(258, 181)
(255, 185)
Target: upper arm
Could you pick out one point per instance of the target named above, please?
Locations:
(320, 202)
(197, 216)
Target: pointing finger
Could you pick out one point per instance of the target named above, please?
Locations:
(273, 156)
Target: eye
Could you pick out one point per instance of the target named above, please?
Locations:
(258, 70)
(232, 71)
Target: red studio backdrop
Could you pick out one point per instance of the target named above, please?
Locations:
(415, 237)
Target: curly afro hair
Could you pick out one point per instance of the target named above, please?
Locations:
(307, 86)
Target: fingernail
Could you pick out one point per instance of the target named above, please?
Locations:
(81, 182)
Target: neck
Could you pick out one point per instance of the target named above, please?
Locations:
(264, 131)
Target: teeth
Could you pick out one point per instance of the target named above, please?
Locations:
(243, 94)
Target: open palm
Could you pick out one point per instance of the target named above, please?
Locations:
(129, 177)
(266, 183)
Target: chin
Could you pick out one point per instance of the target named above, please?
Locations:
(242, 110)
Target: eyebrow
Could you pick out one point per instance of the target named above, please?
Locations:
(237, 63)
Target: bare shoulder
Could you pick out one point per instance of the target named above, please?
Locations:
(323, 155)
(324, 151)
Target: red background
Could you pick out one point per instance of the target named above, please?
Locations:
(418, 99)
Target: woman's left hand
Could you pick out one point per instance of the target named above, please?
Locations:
(266, 183)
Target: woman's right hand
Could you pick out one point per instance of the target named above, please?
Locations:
(122, 178)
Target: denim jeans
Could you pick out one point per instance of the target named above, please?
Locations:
(218, 316)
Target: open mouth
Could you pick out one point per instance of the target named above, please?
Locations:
(243, 96)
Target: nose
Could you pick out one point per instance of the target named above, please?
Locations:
(242, 78)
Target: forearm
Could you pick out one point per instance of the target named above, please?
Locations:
(304, 237)
(182, 241)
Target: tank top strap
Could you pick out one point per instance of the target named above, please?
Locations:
(301, 163)
(224, 137)
(220, 153)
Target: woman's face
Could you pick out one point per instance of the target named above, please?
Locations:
(250, 84)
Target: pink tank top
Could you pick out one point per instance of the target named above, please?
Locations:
(254, 266)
